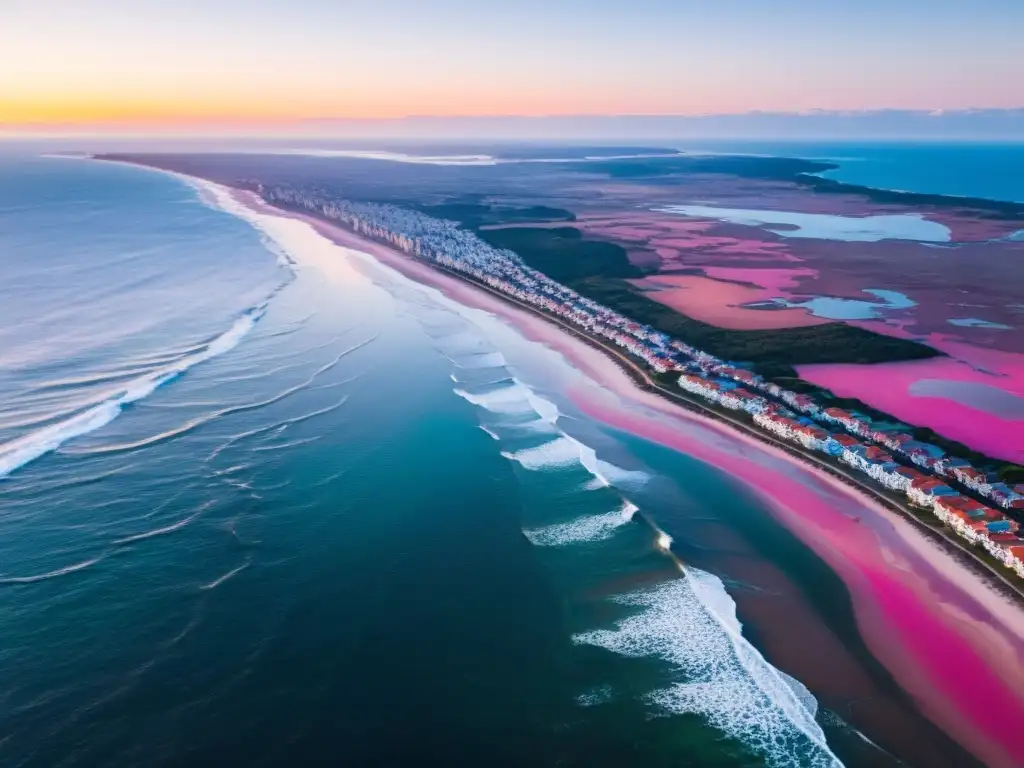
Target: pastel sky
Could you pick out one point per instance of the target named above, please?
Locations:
(270, 61)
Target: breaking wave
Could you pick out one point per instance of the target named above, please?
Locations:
(691, 623)
(564, 451)
(561, 452)
(585, 528)
(214, 415)
(19, 452)
(482, 360)
(507, 400)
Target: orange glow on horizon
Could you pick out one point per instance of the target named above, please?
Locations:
(277, 106)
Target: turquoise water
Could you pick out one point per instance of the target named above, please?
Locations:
(991, 170)
(853, 309)
(258, 513)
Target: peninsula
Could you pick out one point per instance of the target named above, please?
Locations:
(974, 512)
(947, 495)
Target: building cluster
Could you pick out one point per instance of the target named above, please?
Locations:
(927, 456)
(850, 437)
(855, 441)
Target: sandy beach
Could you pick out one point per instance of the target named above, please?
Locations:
(947, 637)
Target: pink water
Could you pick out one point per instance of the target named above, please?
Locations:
(887, 386)
(942, 635)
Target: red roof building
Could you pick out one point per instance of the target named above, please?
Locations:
(847, 441)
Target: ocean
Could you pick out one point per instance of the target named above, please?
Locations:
(266, 502)
(989, 170)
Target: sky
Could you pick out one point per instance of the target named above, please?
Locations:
(258, 62)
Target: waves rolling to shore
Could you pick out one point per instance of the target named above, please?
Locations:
(688, 619)
(49, 437)
(577, 500)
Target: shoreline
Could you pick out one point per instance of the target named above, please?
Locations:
(941, 694)
(924, 577)
(938, 533)
(1007, 583)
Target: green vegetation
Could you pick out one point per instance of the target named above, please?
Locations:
(773, 352)
(1007, 471)
(562, 254)
(475, 215)
(733, 165)
(598, 269)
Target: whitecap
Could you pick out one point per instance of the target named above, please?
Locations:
(506, 400)
(492, 435)
(692, 623)
(21, 451)
(663, 541)
(597, 695)
(565, 450)
(583, 529)
(554, 454)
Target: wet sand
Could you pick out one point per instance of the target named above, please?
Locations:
(950, 641)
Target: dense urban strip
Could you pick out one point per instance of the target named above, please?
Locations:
(928, 478)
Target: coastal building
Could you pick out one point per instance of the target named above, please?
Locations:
(794, 417)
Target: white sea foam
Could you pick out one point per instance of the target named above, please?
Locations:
(484, 360)
(597, 695)
(16, 453)
(493, 435)
(563, 450)
(199, 421)
(692, 623)
(663, 541)
(606, 472)
(554, 454)
(741, 694)
(507, 400)
(547, 410)
(586, 528)
(281, 230)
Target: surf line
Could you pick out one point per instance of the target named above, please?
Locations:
(23, 450)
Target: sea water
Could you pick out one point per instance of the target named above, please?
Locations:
(991, 170)
(265, 502)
